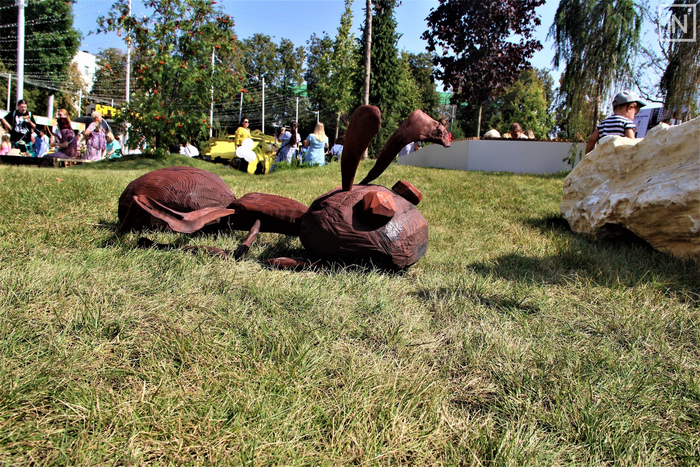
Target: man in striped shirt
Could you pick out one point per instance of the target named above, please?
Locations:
(625, 106)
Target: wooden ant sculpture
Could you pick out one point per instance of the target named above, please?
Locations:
(351, 223)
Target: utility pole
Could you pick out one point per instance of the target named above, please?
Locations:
(9, 86)
(296, 115)
(240, 110)
(368, 58)
(368, 51)
(128, 85)
(20, 48)
(49, 107)
(263, 105)
(211, 108)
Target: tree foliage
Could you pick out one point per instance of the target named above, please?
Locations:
(679, 82)
(470, 43)
(110, 78)
(525, 102)
(51, 42)
(420, 67)
(174, 73)
(389, 78)
(596, 41)
(331, 70)
(529, 101)
(281, 66)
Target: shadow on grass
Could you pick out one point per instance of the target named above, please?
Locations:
(625, 260)
(193, 244)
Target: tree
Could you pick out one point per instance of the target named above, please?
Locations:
(679, 82)
(51, 42)
(525, 102)
(420, 67)
(110, 78)
(175, 79)
(281, 66)
(477, 59)
(596, 40)
(331, 70)
(387, 78)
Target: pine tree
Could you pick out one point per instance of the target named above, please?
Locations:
(387, 76)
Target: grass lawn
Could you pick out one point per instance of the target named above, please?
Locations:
(512, 342)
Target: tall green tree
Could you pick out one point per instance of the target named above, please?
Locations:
(174, 73)
(420, 67)
(679, 82)
(51, 42)
(110, 78)
(281, 66)
(596, 41)
(332, 70)
(525, 102)
(387, 72)
(471, 45)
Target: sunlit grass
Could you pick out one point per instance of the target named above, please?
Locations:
(512, 342)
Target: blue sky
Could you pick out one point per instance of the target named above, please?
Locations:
(297, 20)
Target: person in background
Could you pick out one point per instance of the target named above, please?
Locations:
(530, 134)
(66, 140)
(304, 149)
(95, 141)
(288, 144)
(621, 123)
(41, 144)
(114, 148)
(62, 113)
(23, 124)
(337, 149)
(6, 145)
(408, 149)
(493, 134)
(516, 131)
(242, 133)
(443, 122)
(318, 145)
(189, 150)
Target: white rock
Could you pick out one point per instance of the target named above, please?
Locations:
(650, 186)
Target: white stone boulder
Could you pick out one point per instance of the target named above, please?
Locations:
(649, 186)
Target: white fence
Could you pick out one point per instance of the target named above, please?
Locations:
(497, 155)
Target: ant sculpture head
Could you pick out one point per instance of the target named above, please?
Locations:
(370, 222)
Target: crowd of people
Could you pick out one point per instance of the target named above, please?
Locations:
(98, 142)
(23, 134)
(515, 132)
(291, 148)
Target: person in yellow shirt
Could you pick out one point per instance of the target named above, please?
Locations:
(242, 133)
